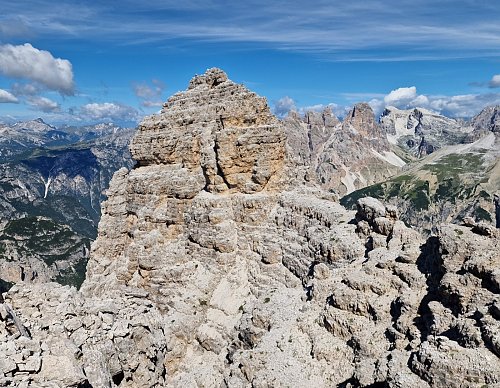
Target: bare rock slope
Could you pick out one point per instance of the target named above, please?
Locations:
(215, 266)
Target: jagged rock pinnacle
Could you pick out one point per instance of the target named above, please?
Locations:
(211, 78)
(362, 118)
(218, 135)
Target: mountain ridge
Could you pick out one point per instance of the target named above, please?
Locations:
(55, 183)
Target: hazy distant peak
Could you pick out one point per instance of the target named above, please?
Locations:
(36, 125)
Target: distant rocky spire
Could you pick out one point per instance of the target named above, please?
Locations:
(487, 120)
(362, 118)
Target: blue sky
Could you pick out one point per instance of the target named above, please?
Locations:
(78, 62)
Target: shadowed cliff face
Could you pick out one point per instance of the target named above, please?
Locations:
(216, 266)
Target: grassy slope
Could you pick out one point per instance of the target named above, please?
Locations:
(460, 177)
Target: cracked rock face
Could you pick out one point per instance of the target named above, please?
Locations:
(217, 134)
(212, 269)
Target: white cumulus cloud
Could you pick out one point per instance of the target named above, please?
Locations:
(495, 81)
(401, 96)
(44, 104)
(466, 105)
(109, 111)
(283, 106)
(5, 96)
(27, 62)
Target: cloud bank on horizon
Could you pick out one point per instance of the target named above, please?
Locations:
(49, 53)
(462, 106)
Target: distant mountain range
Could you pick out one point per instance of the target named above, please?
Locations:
(52, 182)
(453, 168)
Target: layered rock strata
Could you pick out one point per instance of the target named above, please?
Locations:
(213, 268)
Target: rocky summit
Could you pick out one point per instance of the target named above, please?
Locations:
(219, 263)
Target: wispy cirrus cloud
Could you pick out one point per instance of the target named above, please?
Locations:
(372, 30)
(14, 27)
(7, 97)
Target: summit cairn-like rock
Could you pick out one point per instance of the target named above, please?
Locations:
(217, 135)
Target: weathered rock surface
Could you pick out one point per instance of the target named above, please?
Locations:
(214, 269)
(217, 134)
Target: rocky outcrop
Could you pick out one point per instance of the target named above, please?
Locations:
(361, 119)
(212, 268)
(217, 134)
(379, 305)
(79, 342)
